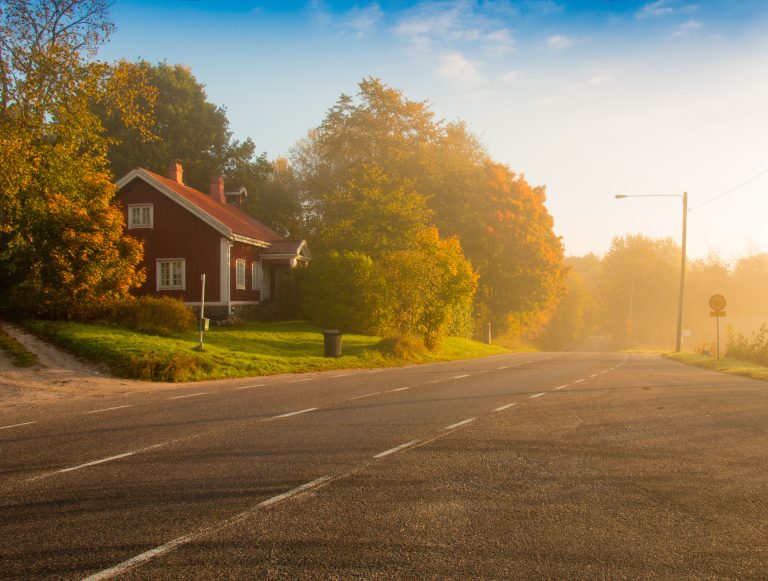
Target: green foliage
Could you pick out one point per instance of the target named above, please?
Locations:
(18, 354)
(575, 316)
(753, 348)
(163, 316)
(62, 250)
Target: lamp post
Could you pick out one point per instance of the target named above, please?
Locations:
(684, 196)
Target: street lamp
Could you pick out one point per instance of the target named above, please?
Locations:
(684, 196)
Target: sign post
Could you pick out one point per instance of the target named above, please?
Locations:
(202, 312)
(717, 304)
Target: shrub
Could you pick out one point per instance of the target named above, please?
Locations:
(754, 349)
(402, 347)
(169, 367)
(162, 316)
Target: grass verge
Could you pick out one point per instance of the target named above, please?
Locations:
(18, 354)
(725, 365)
(250, 349)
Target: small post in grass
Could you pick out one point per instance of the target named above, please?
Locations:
(202, 312)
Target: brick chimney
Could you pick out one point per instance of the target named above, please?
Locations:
(217, 189)
(176, 172)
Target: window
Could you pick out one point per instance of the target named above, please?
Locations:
(240, 273)
(170, 274)
(140, 216)
(256, 275)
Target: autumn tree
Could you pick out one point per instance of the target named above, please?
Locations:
(499, 219)
(62, 253)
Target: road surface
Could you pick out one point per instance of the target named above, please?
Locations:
(540, 465)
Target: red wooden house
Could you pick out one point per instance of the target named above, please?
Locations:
(187, 233)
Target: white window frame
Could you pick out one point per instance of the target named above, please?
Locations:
(257, 276)
(149, 222)
(177, 274)
(240, 274)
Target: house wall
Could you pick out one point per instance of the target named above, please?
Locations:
(176, 233)
(250, 254)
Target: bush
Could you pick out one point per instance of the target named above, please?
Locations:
(168, 367)
(754, 349)
(162, 316)
(400, 347)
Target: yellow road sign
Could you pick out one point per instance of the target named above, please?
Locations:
(716, 313)
(717, 302)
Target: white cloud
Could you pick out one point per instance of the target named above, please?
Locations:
(687, 28)
(664, 8)
(511, 76)
(362, 21)
(458, 68)
(558, 41)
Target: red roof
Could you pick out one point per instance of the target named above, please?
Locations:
(285, 247)
(232, 217)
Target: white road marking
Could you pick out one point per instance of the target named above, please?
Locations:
(399, 389)
(250, 386)
(100, 461)
(594, 375)
(505, 407)
(108, 409)
(342, 375)
(366, 395)
(534, 396)
(289, 414)
(172, 545)
(579, 380)
(461, 423)
(396, 449)
(17, 425)
(460, 376)
(503, 367)
(301, 380)
(562, 386)
(189, 395)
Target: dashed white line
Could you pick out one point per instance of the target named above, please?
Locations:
(505, 407)
(562, 386)
(189, 395)
(250, 386)
(503, 367)
(579, 380)
(366, 395)
(460, 376)
(301, 380)
(96, 462)
(534, 396)
(594, 375)
(461, 423)
(119, 407)
(399, 389)
(172, 545)
(342, 375)
(17, 425)
(396, 449)
(289, 414)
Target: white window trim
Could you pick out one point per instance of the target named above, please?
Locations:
(257, 276)
(159, 286)
(134, 226)
(240, 269)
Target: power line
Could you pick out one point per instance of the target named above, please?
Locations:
(753, 178)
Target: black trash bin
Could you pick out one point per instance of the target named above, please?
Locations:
(332, 341)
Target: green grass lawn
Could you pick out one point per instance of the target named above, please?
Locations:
(725, 365)
(238, 351)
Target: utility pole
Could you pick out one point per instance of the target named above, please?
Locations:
(679, 340)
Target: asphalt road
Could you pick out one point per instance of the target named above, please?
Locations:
(551, 466)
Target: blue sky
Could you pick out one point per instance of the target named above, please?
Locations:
(591, 98)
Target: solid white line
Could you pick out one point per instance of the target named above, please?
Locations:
(188, 395)
(579, 380)
(460, 376)
(534, 396)
(289, 414)
(399, 389)
(108, 409)
(250, 386)
(17, 425)
(505, 407)
(461, 423)
(172, 545)
(366, 395)
(562, 386)
(396, 449)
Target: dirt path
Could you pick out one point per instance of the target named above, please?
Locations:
(58, 375)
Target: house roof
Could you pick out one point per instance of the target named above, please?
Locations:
(285, 247)
(227, 219)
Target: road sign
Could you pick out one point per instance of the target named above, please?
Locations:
(717, 302)
(716, 313)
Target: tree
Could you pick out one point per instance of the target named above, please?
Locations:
(62, 250)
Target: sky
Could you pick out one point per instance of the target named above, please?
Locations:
(591, 98)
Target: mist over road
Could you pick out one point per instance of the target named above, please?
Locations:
(537, 465)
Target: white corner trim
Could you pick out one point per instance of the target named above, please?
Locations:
(224, 255)
(251, 241)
